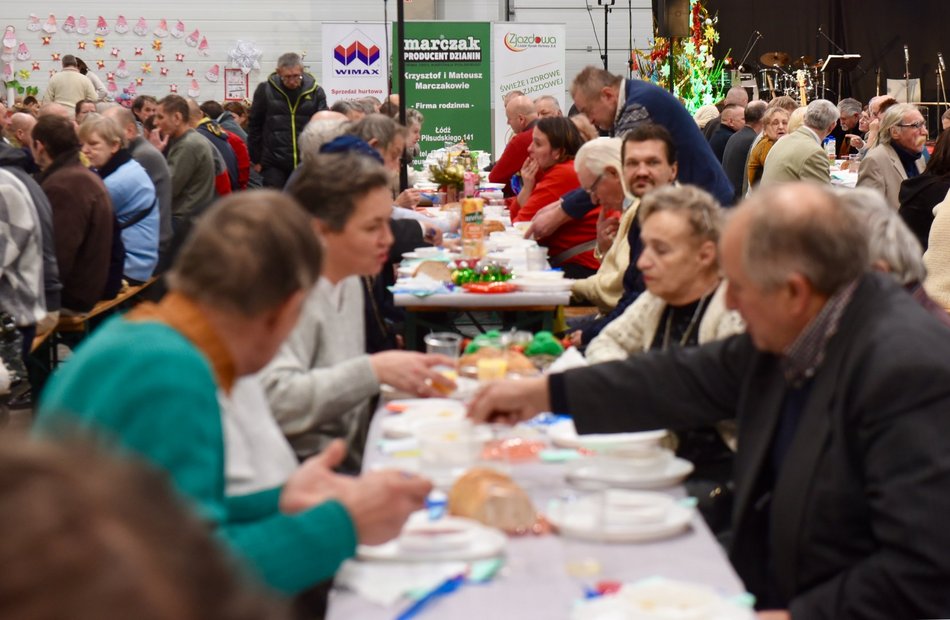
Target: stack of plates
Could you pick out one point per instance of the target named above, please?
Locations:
(564, 435)
(618, 473)
(620, 516)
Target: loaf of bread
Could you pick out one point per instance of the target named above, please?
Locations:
(437, 270)
(492, 498)
(493, 226)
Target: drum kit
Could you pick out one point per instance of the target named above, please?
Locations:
(781, 74)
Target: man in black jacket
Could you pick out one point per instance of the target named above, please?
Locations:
(841, 390)
(282, 106)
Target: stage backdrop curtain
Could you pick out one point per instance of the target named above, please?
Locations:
(876, 29)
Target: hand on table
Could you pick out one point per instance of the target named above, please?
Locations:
(547, 220)
(510, 401)
(380, 502)
(408, 198)
(608, 223)
(314, 482)
(412, 372)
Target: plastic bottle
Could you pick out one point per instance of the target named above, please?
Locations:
(473, 228)
(831, 148)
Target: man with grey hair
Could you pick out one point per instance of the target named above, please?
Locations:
(600, 172)
(69, 85)
(840, 388)
(799, 156)
(282, 106)
(898, 155)
(849, 116)
(546, 106)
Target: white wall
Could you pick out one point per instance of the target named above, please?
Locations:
(291, 25)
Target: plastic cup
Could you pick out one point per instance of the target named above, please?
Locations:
(854, 163)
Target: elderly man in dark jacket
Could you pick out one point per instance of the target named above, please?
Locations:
(282, 107)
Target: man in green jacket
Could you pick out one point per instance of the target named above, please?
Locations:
(150, 381)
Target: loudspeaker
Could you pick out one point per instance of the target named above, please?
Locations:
(672, 18)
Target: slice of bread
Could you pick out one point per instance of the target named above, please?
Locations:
(437, 270)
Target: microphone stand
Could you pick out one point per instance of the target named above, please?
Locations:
(607, 4)
(941, 83)
(840, 72)
(749, 48)
(906, 74)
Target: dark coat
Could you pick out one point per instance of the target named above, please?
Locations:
(854, 523)
(919, 195)
(276, 119)
(84, 232)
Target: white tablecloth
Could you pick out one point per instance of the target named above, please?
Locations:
(534, 583)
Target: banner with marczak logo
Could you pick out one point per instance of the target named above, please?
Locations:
(354, 61)
(530, 58)
(448, 80)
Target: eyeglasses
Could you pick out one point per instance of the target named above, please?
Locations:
(292, 78)
(593, 186)
(917, 125)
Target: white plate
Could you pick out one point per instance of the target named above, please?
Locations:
(541, 285)
(597, 474)
(473, 541)
(564, 435)
(582, 519)
(418, 412)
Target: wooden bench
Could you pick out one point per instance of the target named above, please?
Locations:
(80, 323)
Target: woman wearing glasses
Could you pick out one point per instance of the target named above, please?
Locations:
(546, 175)
(898, 154)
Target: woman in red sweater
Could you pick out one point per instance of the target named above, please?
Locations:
(548, 174)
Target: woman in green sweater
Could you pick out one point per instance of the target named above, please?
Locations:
(148, 382)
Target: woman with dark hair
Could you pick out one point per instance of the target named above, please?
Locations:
(919, 195)
(547, 174)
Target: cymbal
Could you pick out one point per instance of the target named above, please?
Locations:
(804, 62)
(774, 59)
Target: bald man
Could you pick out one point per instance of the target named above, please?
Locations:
(840, 389)
(157, 169)
(734, 96)
(21, 124)
(522, 116)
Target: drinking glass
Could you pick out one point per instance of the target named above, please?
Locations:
(447, 344)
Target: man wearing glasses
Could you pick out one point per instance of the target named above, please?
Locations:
(898, 154)
(282, 106)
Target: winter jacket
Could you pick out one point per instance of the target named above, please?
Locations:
(276, 119)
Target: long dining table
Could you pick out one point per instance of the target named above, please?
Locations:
(539, 578)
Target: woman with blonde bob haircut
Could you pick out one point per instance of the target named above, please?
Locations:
(133, 195)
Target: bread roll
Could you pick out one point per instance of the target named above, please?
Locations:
(492, 498)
